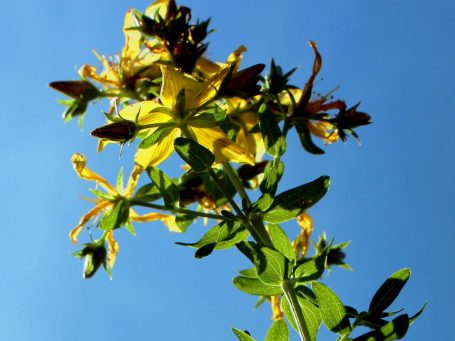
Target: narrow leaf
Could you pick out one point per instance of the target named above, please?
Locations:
(291, 203)
(311, 315)
(313, 268)
(394, 330)
(166, 186)
(281, 241)
(241, 335)
(197, 156)
(254, 286)
(271, 265)
(388, 291)
(278, 331)
(158, 135)
(332, 310)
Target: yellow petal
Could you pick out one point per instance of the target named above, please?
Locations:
(133, 180)
(306, 227)
(157, 153)
(142, 112)
(174, 82)
(133, 38)
(103, 205)
(168, 220)
(224, 149)
(79, 163)
(325, 130)
(113, 248)
(236, 57)
(290, 97)
(158, 7)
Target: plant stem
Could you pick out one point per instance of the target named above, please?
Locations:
(245, 220)
(289, 292)
(178, 210)
(235, 182)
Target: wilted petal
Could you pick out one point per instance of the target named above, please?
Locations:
(133, 180)
(79, 163)
(306, 227)
(324, 130)
(224, 149)
(168, 220)
(74, 233)
(113, 249)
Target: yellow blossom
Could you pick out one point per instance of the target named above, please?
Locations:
(134, 59)
(104, 205)
(181, 97)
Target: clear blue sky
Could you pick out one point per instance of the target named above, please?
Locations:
(392, 196)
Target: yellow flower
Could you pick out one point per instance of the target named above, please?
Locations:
(134, 60)
(238, 109)
(106, 204)
(181, 97)
(301, 243)
(326, 131)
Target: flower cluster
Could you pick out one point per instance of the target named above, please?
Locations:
(166, 94)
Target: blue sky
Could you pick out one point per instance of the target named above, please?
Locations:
(392, 196)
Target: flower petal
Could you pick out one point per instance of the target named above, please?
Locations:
(102, 205)
(157, 153)
(168, 220)
(224, 149)
(113, 249)
(79, 163)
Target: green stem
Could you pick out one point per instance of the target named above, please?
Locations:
(289, 292)
(235, 182)
(236, 208)
(178, 210)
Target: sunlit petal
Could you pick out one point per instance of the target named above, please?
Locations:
(157, 153)
(168, 220)
(79, 163)
(224, 149)
(74, 233)
(113, 248)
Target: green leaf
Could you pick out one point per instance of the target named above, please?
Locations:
(416, 315)
(281, 241)
(278, 331)
(148, 192)
(394, 330)
(130, 228)
(313, 268)
(208, 119)
(212, 188)
(116, 217)
(119, 184)
(332, 310)
(184, 220)
(241, 335)
(305, 138)
(274, 142)
(102, 195)
(165, 185)
(205, 250)
(291, 203)
(311, 315)
(254, 286)
(158, 135)
(198, 157)
(251, 273)
(388, 291)
(225, 235)
(271, 265)
(272, 175)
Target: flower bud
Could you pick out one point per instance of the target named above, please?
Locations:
(121, 131)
